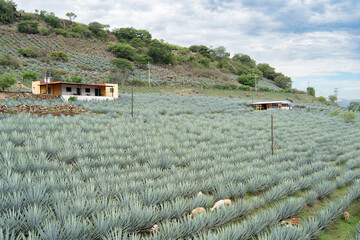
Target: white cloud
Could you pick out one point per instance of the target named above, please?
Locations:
(283, 33)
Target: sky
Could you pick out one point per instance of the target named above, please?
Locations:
(315, 42)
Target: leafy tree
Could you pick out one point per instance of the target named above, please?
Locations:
(247, 79)
(59, 56)
(8, 13)
(29, 76)
(245, 59)
(204, 61)
(310, 91)
(7, 81)
(142, 60)
(283, 81)
(268, 72)
(161, 53)
(321, 99)
(52, 20)
(332, 98)
(98, 30)
(76, 79)
(131, 33)
(122, 50)
(354, 106)
(28, 27)
(122, 69)
(71, 16)
(221, 52)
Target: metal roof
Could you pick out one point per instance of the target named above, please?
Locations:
(271, 102)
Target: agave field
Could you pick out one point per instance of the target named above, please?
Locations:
(113, 176)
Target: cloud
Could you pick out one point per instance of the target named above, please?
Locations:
(301, 38)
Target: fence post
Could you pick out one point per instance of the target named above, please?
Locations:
(272, 134)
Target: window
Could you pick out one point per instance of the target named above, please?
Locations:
(49, 90)
(111, 90)
(87, 90)
(68, 89)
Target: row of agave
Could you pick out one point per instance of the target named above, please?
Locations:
(90, 169)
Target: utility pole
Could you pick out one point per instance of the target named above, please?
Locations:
(149, 73)
(272, 134)
(132, 101)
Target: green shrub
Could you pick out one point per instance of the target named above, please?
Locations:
(122, 50)
(161, 53)
(28, 52)
(59, 31)
(7, 81)
(349, 117)
(264, 89)
(72, 98)
(76, 79)
(248, 79)
(52, 20)
(29, 76)
(59, 56)
(28, 16)
(137, 82)
(204, 61)
(10, 61)
(244, 88)
(334, 113)
(321, 99)
(28, 27)
(44, 31)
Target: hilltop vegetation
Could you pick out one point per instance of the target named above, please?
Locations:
(41, 40)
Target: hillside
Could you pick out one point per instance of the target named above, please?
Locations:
(31, 42)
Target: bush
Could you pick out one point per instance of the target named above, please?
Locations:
(72, 98)
(59, 56)
(244, 88)
(264, 89)
(28, 52)
(137, 82)
(334, 113)
(28, 16)
(10, 61)
(28, 27)
(44, 31)
(161, 53)
(7, 81)
(76, 79)
(29, 76)
(122, 50)
(52, 20)
(59, 31)
(204, 61)
(248, 79)
(321, 99)
(349, 117)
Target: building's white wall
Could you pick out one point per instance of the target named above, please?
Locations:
(74, 87)
(87, 98)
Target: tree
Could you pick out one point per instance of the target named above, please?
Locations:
(310, 91)
(283, 81)
(268, 72)
(29, 76)
(98, 30)
(247, 79)
(221, 52)
(332, 98)
(76, 79)
(71, 16)
(160, 53)
(28, 27)
(349, 117)
(245, 59)
(7, 81)
(8, 13)
(321, 99)
(142, 60)
(122, 69)
(354, 106)
(52, 20)
(122, 50)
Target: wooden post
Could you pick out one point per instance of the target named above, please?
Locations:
(272, 134)
(132, 101)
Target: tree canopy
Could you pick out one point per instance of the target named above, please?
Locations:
(310, 91)
(8, 13)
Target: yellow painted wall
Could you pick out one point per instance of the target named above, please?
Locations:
(55, 89)
(35, 87)
(115, 94)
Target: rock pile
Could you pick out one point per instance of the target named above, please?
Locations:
(42, 110)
